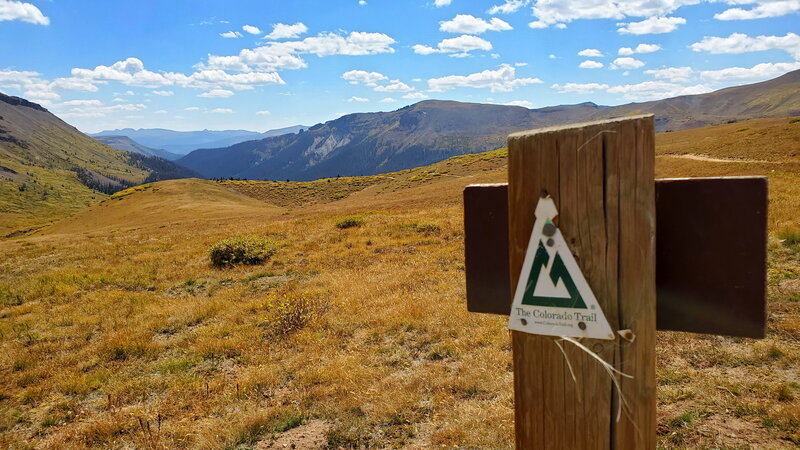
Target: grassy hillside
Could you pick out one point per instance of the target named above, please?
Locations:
(115, 331)
(37, 154)
(49, 169)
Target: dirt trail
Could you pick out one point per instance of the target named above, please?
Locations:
(719, 160)
(312, 435)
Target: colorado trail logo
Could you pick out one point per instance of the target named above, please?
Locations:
(552, 296)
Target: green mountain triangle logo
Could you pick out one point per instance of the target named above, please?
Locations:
(558, 272)
(552, 297)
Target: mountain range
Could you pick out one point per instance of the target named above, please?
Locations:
(183, 142)
(129, 145)
(432, 130)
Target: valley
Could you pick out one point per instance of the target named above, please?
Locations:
(116, 331)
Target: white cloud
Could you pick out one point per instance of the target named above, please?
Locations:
(395, 86)
(590, 53)
(17, 79)
(221, 111)
(251, 29)
(758, 72)
(520, 64)
(81, 103)
(423, 49)
(285, 31)
(118, 100)
(762, 10)
(504, 79)
(458, 46)
(34, 87)
(161, 111)
(508, 7)
(285, 55)
(467, 24)
(641, 48)
(362, 2)
(231, 34)
(164, 93)
(363, 77)
(626, 63)
(415, 96)
(357, 99)
(579, 88)
(654, 90)
(192, 108)
(263, 113)
(651, 25)
(523, 103)
(95, 109)
(73, 84)
(647, 48)
(648, 90)
(217, 93)
(559, 12)
(131, 72)
(26, 12)
(673, 74)
(440, 3)
(555, 12)
(742, 43)
(388, 100)
(552, 56)
(589, 64)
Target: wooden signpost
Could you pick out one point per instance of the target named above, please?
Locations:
(599, 178)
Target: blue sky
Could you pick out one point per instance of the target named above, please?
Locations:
(259, 65)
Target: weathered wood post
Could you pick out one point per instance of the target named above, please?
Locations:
(601, 178)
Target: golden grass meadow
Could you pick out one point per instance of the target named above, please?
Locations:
(117, 332)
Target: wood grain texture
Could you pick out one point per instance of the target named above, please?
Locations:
(600, 176)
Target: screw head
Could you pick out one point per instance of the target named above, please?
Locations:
(582, 325)
(551, 242)
(549, 229)
(524, 322)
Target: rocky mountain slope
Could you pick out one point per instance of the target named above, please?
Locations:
(432, 130)
(370, 143)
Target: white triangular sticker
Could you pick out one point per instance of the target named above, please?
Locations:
(552, 296)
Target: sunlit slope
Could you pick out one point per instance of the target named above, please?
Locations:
(164, 204)
(37, 153)
(49, 169)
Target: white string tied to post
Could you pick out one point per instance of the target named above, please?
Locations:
(610, 369)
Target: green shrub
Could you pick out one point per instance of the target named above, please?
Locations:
(789, 237)
(350, 222)
(427, 227)
(241, 250)
(9, 297)
(794, 120)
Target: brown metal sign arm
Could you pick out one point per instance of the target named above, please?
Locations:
(711, 243)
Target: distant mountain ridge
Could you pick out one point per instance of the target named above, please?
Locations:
(183, 142)
(432, 130)
(129, 145)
